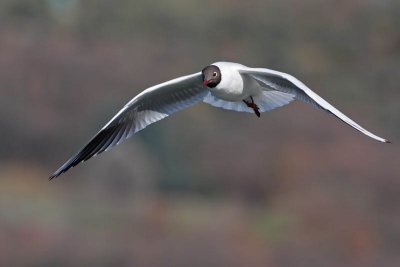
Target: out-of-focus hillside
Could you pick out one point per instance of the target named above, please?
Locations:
(205, 187)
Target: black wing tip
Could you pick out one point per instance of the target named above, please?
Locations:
(388, 141)
(51, 177)
(56, 174)
(67, 165)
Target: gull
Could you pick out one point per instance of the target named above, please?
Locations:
(225, 85)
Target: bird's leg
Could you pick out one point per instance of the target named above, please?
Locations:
(253, 106)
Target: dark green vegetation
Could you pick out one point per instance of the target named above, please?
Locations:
(206, 187)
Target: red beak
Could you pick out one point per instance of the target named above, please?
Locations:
(205, 82)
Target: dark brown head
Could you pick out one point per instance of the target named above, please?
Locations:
(211, 76)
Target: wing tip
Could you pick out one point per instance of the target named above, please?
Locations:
(382, 140)
(54, 175)
(65, 167)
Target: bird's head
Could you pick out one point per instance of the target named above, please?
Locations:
(211, 76)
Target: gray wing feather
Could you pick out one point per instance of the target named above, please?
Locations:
(153, 104)
(288, 84)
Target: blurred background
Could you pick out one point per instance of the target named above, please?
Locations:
(205, 187)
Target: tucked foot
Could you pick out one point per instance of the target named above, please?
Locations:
(253, 105)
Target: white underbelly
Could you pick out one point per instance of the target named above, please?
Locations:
(237, 93)
(228, 94)
(232, 86)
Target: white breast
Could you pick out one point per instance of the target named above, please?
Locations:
(231, 86)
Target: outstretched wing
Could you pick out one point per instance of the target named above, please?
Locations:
(153, 104)
(282, 82)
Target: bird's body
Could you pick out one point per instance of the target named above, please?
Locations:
(231, 87)
(226, 85)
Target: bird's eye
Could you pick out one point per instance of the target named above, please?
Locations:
(215, 74)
